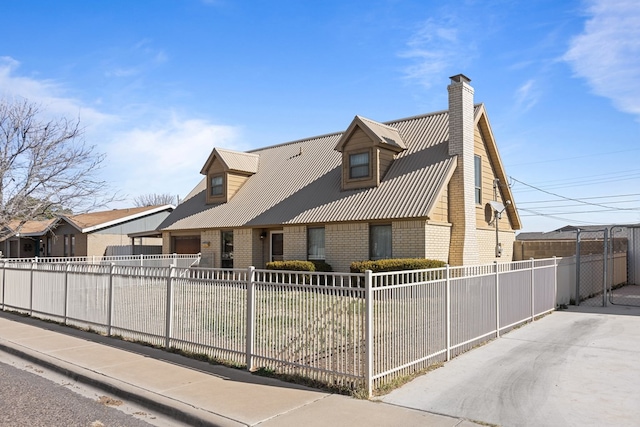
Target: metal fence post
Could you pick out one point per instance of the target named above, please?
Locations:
(577, 300)
(555, 281)
(66, 292)
(368, 327)
(448, 310)
(605, 263)
(110, 301)
(495, 268)
(4, 277)
(34, 265)
(169, 308)
(533, 293)
(251, 312)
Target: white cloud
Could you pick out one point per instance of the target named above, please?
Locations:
(527, 95)
(433, 49)
(160, 153)
(607, 53)
(429, 52)
(50, 94)
(167, 158)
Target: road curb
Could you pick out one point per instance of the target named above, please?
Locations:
(175, 409)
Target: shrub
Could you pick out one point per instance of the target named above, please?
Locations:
(322, 266)
(291, 265)
(395, 264)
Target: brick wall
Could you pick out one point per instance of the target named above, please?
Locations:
(438, 237)
(242, 248)
(295, 242)
(211, 253)
(408, 239)
(462, 212)
(345, 243)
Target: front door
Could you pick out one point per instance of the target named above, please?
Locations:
(226, 251)
(277, 246)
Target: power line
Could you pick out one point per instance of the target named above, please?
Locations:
(579, 204)
(570, 198)
(587, 198)
(557, 217)
(573, 158)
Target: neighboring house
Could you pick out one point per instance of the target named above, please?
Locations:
(416, 187)
(28, 239)
(89, 234)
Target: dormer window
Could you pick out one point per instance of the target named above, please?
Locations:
(359, 165)
(226, 173)
(368, 149)
(217, 185)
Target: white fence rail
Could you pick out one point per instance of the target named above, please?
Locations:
(351, 331)
(143, 260)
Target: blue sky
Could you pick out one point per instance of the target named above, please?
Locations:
(159, 83)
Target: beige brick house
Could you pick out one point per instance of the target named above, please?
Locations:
(427, 186)
(88, 234)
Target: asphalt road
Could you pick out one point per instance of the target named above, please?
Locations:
(32, 396)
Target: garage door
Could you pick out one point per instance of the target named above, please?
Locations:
(186, 244)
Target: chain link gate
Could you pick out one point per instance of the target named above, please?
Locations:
(591, 267)
(624, 279)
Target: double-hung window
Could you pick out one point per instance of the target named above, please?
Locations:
(359, 165)
(380, 241)
(217, 184)
(477, 175)
(315, 243)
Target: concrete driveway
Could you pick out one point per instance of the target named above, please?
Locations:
(577, 367)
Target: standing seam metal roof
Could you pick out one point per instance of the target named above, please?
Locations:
(300, 183)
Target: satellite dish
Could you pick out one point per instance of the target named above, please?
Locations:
(497, 206)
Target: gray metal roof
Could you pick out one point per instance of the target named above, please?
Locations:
(300, 183)
(381, 134)
(233, 161)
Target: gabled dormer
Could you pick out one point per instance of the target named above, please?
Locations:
(368, 149)
(226, 172)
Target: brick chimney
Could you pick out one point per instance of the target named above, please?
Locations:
(463, 249)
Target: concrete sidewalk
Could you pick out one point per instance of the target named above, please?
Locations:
(191, 391)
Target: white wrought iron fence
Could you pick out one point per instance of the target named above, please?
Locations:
(177, 260)
(352, 331)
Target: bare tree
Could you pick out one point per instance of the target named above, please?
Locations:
(154, 199)
(44, 164)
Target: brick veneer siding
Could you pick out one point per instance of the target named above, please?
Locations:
(437, 241)
(462, 213)
(295, 242)
(242, 248)
(408, 239)
(210, 254)
(345, 243)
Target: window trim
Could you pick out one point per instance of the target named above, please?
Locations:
(311, 256)
(350, 171)
(371, 245)
(477, 178)
(221, 185)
